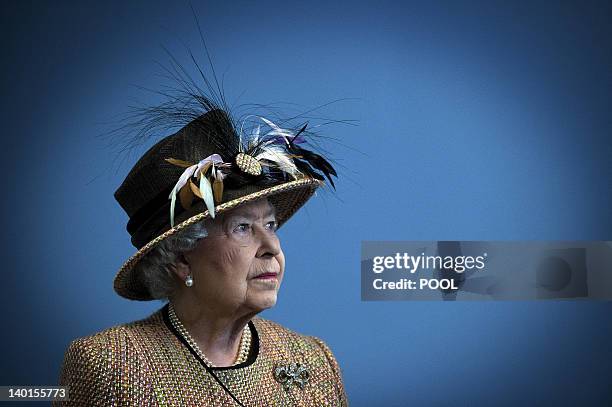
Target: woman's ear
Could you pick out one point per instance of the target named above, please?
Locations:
(181, 266)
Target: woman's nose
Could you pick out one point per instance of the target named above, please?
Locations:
(269, 244)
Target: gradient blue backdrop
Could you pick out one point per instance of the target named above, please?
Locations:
(477, 120)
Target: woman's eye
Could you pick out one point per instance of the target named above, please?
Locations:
(271, 225)
(243, 227)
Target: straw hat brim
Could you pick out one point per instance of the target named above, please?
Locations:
(287, 198)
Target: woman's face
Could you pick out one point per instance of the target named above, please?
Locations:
(239, 266)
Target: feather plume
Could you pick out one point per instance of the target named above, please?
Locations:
(179, 163)
(218, 190)
(276, 130)
(207, 195)
(205, 164)
(316, 161)
(186, 197)
(198, 170)
(280, 159)
(195, 189)
(277, 150)
(304, 160)
(188, 173)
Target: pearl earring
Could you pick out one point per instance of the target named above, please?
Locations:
(189, 281)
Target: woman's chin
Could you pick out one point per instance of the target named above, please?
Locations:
(263, 300)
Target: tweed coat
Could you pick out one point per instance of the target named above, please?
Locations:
(147, 363)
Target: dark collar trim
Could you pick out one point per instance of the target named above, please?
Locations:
(250, 359)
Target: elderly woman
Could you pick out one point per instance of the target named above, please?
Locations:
(204, 206)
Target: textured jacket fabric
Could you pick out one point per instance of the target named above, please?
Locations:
(147, 363)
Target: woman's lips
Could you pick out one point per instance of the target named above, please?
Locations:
(266, 276)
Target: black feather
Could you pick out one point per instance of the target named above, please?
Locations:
(299, 132)
(314, 160)
(307, 169)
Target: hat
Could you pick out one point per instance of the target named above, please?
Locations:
(206, 168)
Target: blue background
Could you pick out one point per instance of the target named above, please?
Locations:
(477, 121)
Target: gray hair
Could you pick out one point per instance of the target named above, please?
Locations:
(156, 268)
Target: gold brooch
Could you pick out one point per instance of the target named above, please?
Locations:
(248, 164)
(293, 373)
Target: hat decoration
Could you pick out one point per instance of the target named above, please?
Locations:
(269, 158)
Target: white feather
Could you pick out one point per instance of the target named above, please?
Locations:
(213, 158)
(280, 158)
(207, 195)
(188, 173)
(276, 130)
(172, 205)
